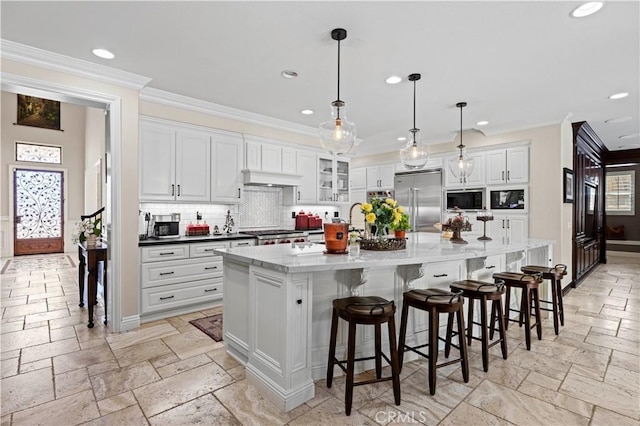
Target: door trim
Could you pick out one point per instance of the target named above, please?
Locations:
(113, 172)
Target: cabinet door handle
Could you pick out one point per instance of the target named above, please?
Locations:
(502, 175)
(178, 190)
(299, 301)
(208, 290)
(243, 244)
(239, 193)
(166, 273)
(173, 190)
(508, 175)
(440, 275)
(165, 298)
(166, 253)
(208, 268)
(209, 249)
(490, 267)
(502, 223)
(507, 223)
(298, 195)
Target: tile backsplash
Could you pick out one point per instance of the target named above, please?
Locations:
(261, 208)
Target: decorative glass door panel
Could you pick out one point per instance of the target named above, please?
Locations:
(38, 212)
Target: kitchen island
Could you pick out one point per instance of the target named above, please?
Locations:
(277, 299)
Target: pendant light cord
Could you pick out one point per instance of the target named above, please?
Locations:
(338, 69)
(414, 105)
(461, 146)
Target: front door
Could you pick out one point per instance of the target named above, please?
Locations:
(38, 212)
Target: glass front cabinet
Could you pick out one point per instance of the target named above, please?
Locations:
(333, 180)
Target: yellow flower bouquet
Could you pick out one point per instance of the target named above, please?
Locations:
(382, 213)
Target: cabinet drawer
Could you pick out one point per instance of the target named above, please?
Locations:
(155, 274)
(179, 295)
(243, 243)
(205, 249)
(440, 275)
(165, 252)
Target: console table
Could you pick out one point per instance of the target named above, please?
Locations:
(89, 257)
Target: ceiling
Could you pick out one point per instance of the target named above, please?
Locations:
(518, 64)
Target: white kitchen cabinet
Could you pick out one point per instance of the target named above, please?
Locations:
(509, 165)
(157, 162)
(305, 192)
(242, 243)
(193, 166)
(509, 228)
(174, 164)
(380, 177)
(359, 178)
(483, 268)
(289, 160)
(333, 180)
(226, 168)
(475, 179)
(267, 155)
(436, 275)
(179, 278)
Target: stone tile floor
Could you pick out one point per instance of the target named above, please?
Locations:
(56, 371)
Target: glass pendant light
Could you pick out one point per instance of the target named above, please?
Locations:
(337, 135)
(461, 167)
(414, 155)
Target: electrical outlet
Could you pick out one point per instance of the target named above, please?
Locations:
(293, 215)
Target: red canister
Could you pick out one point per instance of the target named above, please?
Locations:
(302, 221)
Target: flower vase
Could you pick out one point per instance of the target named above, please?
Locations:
(91, 240)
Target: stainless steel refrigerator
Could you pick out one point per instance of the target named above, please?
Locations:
(420, 193)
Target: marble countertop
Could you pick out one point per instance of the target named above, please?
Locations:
(422, 247)
(183, 239)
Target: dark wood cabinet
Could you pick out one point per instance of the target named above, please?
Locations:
(589, 219)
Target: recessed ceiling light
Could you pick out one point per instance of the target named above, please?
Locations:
(103, 53)
(307, 111)
(394, 79)
(289, 74)
(402, 138)
(587, 9)
(482, 123)
(619, 95)
(618, 119)
(633, 135)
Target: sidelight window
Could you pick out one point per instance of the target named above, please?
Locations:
(620, 193)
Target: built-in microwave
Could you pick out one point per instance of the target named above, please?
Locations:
(508, 198)
(472, 199)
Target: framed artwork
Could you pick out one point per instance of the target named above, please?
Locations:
(568, 185)
(38, 112)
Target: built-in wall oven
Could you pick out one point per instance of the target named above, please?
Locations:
(470, 199)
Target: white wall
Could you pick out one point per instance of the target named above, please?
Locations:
(94, 160)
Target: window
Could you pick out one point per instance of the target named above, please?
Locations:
(620, 193)
(37, 153)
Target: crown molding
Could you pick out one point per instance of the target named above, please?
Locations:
(162, 97)
(53, 61)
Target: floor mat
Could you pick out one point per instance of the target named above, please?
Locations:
(211, 326)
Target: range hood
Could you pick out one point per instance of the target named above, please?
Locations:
(261, 178)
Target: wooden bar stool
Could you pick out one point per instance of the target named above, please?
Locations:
(370, 310)
(483, 292)
(435, 302)
(555, 275)
(528, 283)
